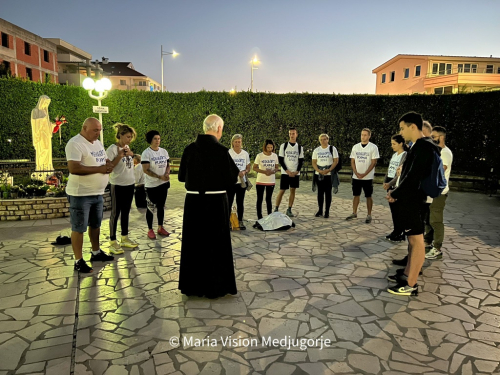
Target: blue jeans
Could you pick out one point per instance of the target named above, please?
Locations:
(85, 211)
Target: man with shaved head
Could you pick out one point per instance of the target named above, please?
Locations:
(89, 168)
(208, 171)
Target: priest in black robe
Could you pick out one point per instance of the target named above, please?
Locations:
(208, 171)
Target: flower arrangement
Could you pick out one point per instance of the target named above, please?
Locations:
(60, 120)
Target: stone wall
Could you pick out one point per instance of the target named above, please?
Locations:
(39, 208)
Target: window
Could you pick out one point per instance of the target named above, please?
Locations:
(467, 68)
(417, 71)
(47, 77)
(46, 56)
(393, 76)
(5, 69)
(489, 68)
(29, 74)
(498, 70)
(443, 90)
(407, 73)
(123, 82)
(142, 83)
(27, 49)
(383, 78)
(5, 40)
(441, 68)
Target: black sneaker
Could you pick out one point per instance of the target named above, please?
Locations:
(404, 290)
(82, 267)
(390, 235)
(400, 262)
(242, 226)
(401, 271)
(326, 215)
(394, 278)
(397, 238)
(101, 257)
(319, 214)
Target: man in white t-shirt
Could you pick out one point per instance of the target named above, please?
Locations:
(364, 156)
(89, 168)
(291, 158)
(435, 231)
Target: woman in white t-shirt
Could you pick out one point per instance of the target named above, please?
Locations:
(122, 182)
(324, 161)
(266, 165)
(400, 149)
(156, 167)
(242, 161)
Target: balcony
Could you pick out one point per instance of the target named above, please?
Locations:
(458, 77)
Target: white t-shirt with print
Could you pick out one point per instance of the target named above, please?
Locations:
(241, 160)
(158, 161)
(324, 157)
(139, 174)
(394, 164)
(90, 155)
(291, 155)
(265, 162)
(363, 157)
(447, 157)
(123, 172)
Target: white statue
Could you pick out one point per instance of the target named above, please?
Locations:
(42, 138)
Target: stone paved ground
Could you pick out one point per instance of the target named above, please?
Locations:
(324, 279)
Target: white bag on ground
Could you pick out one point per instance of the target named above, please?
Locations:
(275, 221)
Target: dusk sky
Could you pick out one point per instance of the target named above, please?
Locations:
(305, 46)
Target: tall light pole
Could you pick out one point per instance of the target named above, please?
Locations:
(173, 53)
(102, 86)
(254, 62)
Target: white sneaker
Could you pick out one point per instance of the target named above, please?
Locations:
(127, 243)
(115, 248)
(434, 254)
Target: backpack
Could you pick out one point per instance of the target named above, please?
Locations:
(434, 184)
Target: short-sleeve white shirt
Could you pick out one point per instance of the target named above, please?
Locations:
(291, 156)
(90, 155)
(447, 157)
(324, 157)
(394, 164)
(363, 157)
(241, 160)
(158, 161)
(265, 162)
(123, 172)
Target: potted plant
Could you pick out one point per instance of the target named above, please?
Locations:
(14, 192)
(42, 190)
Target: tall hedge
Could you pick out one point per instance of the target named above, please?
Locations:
(472, 120)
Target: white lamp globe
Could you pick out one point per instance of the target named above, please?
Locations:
(99, 86)
(88, 83)
(106, 84)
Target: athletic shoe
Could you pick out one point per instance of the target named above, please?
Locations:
(400, 262)
(390, 235)
(319, 214)
(242, 226)
(82, 267)
(399, 238)
(125, 242)
(326, 215)
(397, 278)
(368, 219)
(289, 212)
(101, 256)
(276, 209)
(115, 248)
(151, 234)
(434, 254)
(404, 290)
(163, 232)
(352, 216)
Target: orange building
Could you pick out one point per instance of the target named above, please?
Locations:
(27, 55)
(429, 74)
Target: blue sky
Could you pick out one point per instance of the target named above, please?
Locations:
(305, 46)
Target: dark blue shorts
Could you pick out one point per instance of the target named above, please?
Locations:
(85, 212)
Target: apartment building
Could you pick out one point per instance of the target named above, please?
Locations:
(123, 76)
(432, 74)
(74, 64)
(26, 55)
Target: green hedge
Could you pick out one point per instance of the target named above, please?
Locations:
(472, 120)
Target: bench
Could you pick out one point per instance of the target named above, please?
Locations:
(175, 164)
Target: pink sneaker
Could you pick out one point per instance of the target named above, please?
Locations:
(163, 232)
(151, 234)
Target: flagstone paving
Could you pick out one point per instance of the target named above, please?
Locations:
(325, 279)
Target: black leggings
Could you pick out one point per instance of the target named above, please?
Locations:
(325, 194)
(240, 197)
(260, 197)
(121, 201)
(158, 196)
(395, 213)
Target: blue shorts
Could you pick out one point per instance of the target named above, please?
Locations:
(85, 211)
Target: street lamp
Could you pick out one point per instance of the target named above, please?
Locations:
(254, 62)
(102, 86)
(173, 53)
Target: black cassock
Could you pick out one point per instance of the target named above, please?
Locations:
(206, 254)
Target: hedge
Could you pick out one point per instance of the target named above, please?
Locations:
(472, 120)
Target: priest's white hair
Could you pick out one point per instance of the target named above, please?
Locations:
(212, 123)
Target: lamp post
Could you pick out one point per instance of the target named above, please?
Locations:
(254, 62)
(173, 53)
(102, 86)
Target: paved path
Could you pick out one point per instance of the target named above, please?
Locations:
(325, 279)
